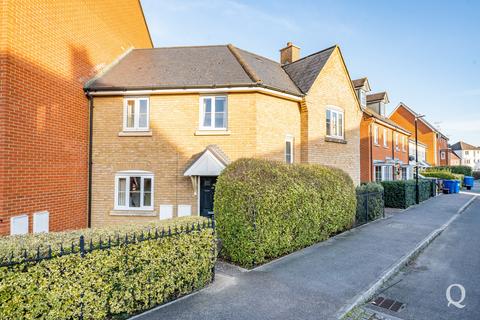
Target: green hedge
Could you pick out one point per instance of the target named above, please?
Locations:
(465, 170)
(369, 200)
(401, 193)
(445, 175)
(105, 283)
(267, 209)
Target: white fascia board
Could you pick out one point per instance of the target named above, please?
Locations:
(196, 90)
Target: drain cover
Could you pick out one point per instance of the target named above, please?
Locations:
(388, 304)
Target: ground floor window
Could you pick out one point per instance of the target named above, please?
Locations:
(405, 174)
(289, 149)
(383, 173)
(134, 190)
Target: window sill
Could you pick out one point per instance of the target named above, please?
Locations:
(335, 140)
(135, 133)
(212, 132)
(133, 213)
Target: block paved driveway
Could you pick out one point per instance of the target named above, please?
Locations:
(316, 282)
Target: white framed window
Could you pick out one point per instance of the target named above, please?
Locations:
(362, 96)
(40, 222)
(396, 141)
(442, 155)
(335, 123)
(387, 173)
(136, 114)
(378, 173)
(134, 190)
(213, 113)
(375, 134)
(19, 225)
(385, 137)
(289, 146)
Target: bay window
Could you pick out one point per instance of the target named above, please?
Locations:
(134, 190)
(213, 113)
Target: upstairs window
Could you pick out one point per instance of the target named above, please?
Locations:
(335, 123)
(385, 138)
(403, 143)
(442, 155)
(134, 190)
(396, 141)
(375, 135)
(362, 96)
(136, 114)
(289, 149)
(213, 113)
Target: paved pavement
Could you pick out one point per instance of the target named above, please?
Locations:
(452, 258)
(317, 282)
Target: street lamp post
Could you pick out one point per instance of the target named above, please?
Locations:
(417, 191)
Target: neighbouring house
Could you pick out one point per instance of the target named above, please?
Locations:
(422, 154)
(48, 51)
(167, 121)
(453, 158)
(383, 143)
(434, 141)
(469, 154)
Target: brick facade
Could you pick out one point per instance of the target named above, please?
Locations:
(433, 140)
(258, 124)
(252, 132)
(372, 152)
(49, 49)
(332, 88)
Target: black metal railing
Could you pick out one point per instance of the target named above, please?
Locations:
(370, 206)
(83, 247)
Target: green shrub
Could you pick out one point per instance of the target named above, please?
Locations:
(465, 170)
(267, 209)
(445, 175)
(106, 283)
(369, 200)
(401, 193)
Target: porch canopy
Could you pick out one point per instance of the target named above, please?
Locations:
(210, 162)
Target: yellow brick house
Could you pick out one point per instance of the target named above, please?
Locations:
(166, 121)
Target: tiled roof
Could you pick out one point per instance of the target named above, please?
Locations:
(305, 70)
(463, 146)
(386, 120)
(357, 83)
(377, 96)
(202, 66)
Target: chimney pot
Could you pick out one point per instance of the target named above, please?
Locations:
(289, 54)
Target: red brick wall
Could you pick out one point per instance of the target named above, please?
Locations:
(49, 50)
(370, 152)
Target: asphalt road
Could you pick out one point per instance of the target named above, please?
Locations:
(452, 258)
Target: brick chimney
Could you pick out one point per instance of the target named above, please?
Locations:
(289, 54)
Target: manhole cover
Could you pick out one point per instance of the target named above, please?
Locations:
(388, 304)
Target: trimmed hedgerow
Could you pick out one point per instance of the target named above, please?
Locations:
(266, 209)
(445, 175)
(108, 283)
(465, 170)
(369, 199)
(401, 193)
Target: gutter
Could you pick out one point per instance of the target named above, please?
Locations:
(90, 148)
(205, 90)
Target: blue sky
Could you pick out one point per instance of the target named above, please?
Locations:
(423, 53)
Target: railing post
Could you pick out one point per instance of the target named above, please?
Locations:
(82, 246)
